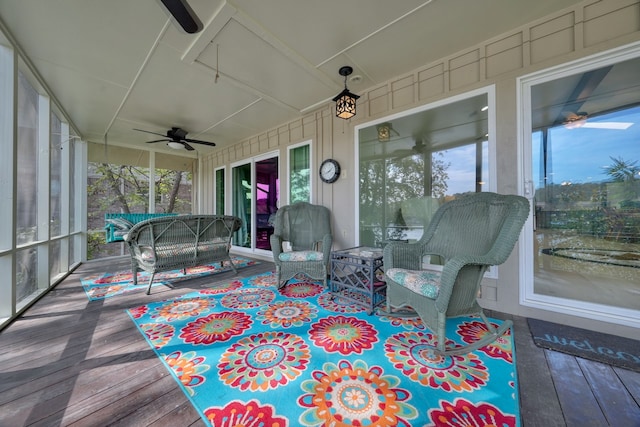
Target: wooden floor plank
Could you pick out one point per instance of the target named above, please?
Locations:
(87, 378)
(614, 400)
(536, 387)
(179, 412)
(120, 403)
(71, 361)
(579, 405)
(631, 381)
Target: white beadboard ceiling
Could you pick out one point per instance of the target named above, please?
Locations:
(115, 65)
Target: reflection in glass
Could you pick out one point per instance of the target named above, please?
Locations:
(267, 195)
(417, 162)
(241, 197)
(299, 174)
(219, 196)
(585, 155)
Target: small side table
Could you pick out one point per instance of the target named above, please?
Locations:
(357, 275)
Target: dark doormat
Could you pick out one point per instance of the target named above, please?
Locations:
(609, 349)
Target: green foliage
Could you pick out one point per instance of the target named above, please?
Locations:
(622, 170)
(386, 182)
(94, 243)
(299, 186)
(126, 188)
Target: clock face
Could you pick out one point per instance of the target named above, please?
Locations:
(329, 171)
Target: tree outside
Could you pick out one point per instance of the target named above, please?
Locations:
(387, 182)
(125, 189)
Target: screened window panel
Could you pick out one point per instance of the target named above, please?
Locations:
(27, 173)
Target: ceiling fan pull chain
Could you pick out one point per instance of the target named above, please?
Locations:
(217, 64)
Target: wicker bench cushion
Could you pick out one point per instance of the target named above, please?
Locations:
(423, 282)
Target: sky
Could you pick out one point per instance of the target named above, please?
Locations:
(579, 155)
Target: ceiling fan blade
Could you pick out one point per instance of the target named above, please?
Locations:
(146, 131)
(187, 146)
(401, 154)
(197, 141)
(184, 15)
(608, 125)
(158, 140)
(583, 90)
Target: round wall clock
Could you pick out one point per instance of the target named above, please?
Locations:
(329, 171)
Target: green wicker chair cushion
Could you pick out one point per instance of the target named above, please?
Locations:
(423, 282)
(301, 256)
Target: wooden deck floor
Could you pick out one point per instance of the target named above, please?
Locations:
(69, 361)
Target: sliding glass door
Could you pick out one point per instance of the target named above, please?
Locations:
(255, 195)
(583, 178)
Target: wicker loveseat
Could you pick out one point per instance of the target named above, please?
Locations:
(178, 242)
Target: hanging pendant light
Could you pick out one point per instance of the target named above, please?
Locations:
(345, 100)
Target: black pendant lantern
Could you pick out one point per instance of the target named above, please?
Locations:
(345, 100)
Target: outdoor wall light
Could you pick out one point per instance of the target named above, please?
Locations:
(345, 100)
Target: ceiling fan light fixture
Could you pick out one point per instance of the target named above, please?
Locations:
(575, 121)
(345, 100)
(176, 145)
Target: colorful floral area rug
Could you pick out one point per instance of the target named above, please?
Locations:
(248, 354)
(104, 285)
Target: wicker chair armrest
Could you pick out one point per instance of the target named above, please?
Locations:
(276, 246)
(450, 272)
(402, 255)
(327, 242)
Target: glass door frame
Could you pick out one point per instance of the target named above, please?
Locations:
(528, 297)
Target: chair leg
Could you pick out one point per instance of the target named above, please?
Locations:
(282, 284)
(168, 285)
(235, 270)
(494, 334)
(278, 277)
(150, 283)
(441, 335)
(402, 311)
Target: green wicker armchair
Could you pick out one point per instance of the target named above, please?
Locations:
(468, 235)
(307, 229)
